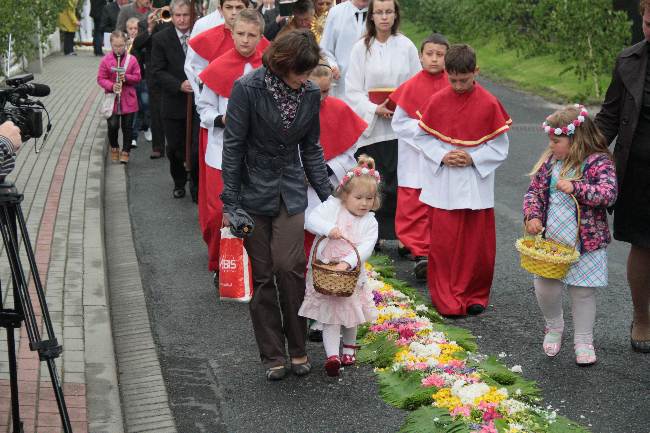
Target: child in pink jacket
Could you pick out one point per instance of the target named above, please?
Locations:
(126, 101)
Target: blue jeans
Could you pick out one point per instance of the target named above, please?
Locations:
(141, 119)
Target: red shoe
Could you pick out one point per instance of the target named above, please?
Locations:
(332, 366)
(347, 359)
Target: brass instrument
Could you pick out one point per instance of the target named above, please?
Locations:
(163, 14)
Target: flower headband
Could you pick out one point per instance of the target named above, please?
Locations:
(360, 171)
(569, 129)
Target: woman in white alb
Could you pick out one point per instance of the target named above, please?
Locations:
(384, 58)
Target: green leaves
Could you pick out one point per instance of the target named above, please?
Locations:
(498, 375)
(19, 20)
(429, 419)
(404, 389)
(378, 350)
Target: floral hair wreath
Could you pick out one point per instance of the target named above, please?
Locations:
(569, 129)
(362, 170)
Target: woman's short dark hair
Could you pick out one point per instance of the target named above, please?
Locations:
(460, 59)
(295, 51)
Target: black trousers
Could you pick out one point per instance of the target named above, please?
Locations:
(124, 121)
(98, 37)
(385, 155)
(194, 155)
(157, 130)
(175, 136)
(68, 42)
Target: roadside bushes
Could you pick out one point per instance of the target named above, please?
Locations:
(584, 35)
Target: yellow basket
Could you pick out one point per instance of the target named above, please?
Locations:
(331, 282)
(546, 258)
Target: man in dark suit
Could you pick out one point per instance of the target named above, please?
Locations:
(625, 116)
(109, 15)
(169, 47)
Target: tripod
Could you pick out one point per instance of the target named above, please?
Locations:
(12, 220)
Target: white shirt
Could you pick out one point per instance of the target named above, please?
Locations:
(452, 188)
(388, 64)
(210, 106)
(409, 158)
(342, 29)
(195, 64)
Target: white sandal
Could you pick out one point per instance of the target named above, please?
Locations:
(585, 354)
(552, 341)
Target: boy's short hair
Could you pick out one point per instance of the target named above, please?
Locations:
(131, 20)
(460, 59)
(434, 38)
(246, 2)
(295, 51)
(251, 16)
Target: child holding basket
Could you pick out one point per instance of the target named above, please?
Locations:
(345, 219)
(576, 164)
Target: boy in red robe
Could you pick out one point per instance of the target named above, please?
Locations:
(218, 79)
(463, 138)
(412, 216)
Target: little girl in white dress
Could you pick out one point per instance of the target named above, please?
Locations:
(347, 215)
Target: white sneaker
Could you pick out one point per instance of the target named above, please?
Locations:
(134, 143)
(147, 134)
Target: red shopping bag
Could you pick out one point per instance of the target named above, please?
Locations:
(235, 277)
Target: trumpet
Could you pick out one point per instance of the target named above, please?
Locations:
(163, 14)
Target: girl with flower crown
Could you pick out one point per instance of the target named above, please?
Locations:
(576, 163)
(346, 216)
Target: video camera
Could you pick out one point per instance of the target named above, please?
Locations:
(25, 113)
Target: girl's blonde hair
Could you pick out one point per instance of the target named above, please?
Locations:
(117, 34)
(367, 181)
(323, 69)
(585, 141)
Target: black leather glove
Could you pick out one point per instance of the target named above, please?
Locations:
(241, 223)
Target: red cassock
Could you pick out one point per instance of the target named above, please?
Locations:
(463, 241)
(340, 128)
(411, 215)
(219, 76)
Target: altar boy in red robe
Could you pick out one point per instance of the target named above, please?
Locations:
(412, 216)
(218, 79)
(463, 138)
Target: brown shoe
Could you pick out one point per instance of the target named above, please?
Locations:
(124, 157)
(115, 154)
(155, 154)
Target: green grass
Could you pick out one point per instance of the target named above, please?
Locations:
(542, 75)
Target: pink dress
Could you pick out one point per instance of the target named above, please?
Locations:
(333, 310)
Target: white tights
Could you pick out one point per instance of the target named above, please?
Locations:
(332, 339)
(583, 307)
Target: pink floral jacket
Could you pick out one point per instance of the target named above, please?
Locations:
(595, 192)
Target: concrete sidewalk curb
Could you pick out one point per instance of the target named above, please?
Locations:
(103, 397)
(142, 385)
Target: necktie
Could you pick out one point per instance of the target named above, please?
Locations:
(184, 43)
(363, 14)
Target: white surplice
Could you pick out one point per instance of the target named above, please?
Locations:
(387, 64)
(342, 29)
(451, 188)
(195, 64)
(409, 161)
(210, 106)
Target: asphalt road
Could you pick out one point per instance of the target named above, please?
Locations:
(210, 361)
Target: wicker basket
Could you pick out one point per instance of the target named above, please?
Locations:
(546, 258)
(332, 282)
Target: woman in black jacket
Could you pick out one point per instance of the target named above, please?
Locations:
(270, 152)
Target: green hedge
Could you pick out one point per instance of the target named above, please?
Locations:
(583, 35)
(20, 18)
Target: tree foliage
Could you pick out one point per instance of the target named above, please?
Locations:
(21, 19)
(585, 35)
